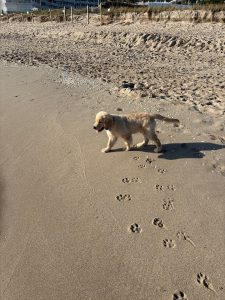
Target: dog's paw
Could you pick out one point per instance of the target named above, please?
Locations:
(105, 150)
(158, 150)
(140, 145)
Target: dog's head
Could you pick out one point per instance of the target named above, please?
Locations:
(103, 120)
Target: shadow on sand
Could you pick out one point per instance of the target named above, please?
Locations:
(177, 151)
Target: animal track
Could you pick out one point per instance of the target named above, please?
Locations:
(136, 157)
(179, 295)
(162, 171)
(158, 222)
(183, 236)
(141, 166)
(169, 243)
(204, 280)
(125, 197)
(135, 228)
(149, 160)
(159, 187)
(168, 204)
(171, 187)
(132, 180)
(214, 137)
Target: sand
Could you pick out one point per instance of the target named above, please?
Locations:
(80, 224)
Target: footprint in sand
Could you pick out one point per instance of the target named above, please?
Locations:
(167, 243)
(125, 197)
(171, 187)
(204, 280)
(162, 171)
(141, 166)
(179, 295)
(183, 236)
(159, 187)
(214, 138)
(132, 180)
(135, 180)
(136, 157)
(158, 222)
(168, 204)
(135, 228)
(149, 160)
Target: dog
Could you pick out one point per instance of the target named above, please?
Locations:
(125, 125)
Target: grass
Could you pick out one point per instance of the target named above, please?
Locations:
(57, 14)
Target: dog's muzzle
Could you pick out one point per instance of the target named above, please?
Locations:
(99, 130)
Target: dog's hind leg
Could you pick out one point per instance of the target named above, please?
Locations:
(150, 131)
(157, 142)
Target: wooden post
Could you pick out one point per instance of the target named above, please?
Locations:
(50, 14)
(64, 13)
(71, 13)
(87, 14)
(22, 17)
(100, 6)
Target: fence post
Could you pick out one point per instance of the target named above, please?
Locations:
(50, 14)
(87, 14)
(64, 13)
(100, 13)
(71, 13)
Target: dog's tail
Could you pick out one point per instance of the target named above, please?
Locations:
(165, 119)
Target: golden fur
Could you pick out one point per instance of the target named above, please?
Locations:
(125, 125)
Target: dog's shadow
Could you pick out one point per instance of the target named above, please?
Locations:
(178, 151)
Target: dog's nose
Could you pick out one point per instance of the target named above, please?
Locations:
(94, 127)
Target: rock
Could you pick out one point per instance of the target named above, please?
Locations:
(127, 85)
(139, 86)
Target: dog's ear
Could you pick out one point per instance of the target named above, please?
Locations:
(108, 122)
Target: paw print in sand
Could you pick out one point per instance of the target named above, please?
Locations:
(204, 280)
(171, 187)
(158, 222)
(179, 295)
(159, 187)
(162, 171)
(135, 228)
(167, 243)
(132, 180)
(141, 166)
(136, 157)
(149, 160)
(125, 197)
(168, 204)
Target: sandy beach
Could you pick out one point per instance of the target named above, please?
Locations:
(79, 224)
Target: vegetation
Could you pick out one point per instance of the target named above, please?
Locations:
(58, 14)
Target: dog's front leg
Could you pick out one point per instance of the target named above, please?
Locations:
(128, 142)
(111, 142)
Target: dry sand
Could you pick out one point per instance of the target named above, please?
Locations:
(67, 209)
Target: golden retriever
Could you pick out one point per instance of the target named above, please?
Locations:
(125, 125)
